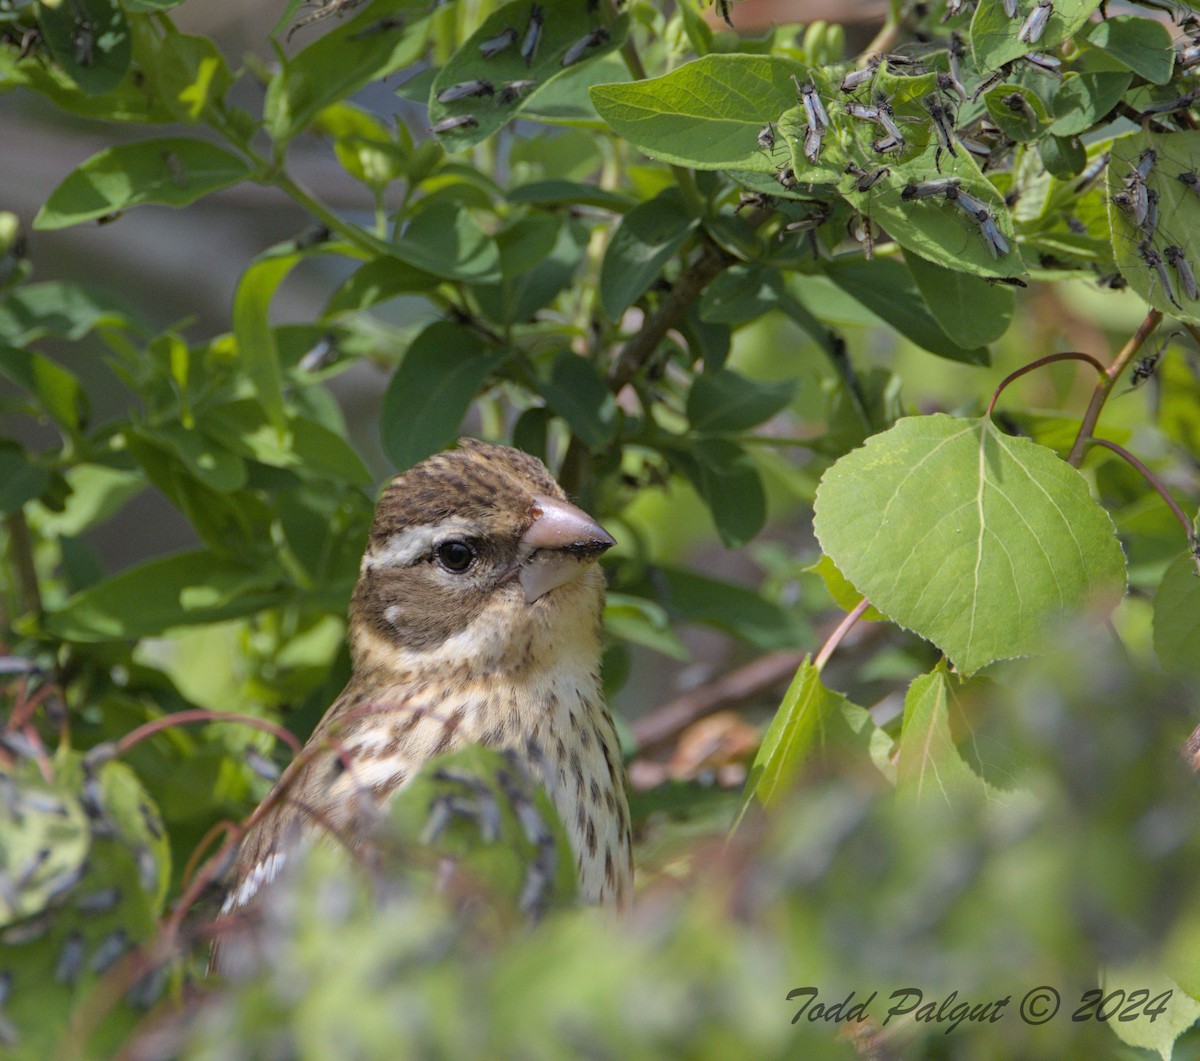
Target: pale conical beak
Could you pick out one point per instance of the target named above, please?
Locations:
(560, 545)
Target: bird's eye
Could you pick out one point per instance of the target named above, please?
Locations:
(455, 556)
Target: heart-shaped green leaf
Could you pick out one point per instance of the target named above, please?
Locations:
(969, 537)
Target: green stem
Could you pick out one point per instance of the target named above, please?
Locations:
(350, 233)
(1106, 383)
(273, 173)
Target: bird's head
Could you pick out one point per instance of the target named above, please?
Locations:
(476, 553)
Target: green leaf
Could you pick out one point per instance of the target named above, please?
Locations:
(887, 288)
(1063, 156)
(928, 762)
(726, 479)
(1017, 112)
(970, 538)
(810, 717)
(57, 390)
(1084, 98)
(707, 114)
(180, 590)
(1157, 1033)
(361, 50)
(579, 394)
(526, 241)
(563, 27)
(378, 280)
(994, 36)
(707, 340)
(188, 73)
(728, 401)
(444, 240)
(306, 447)
(844, 595)
(648, 237)
(113, 894)
(366, 149)
(20, 479)
(526, 290)
(89, 40)
(63, 310)
(211, 464)
(1177, 617)
(255, 337)
(127, 102)
(936, 228)
(97, 493)
(174, 171)
(642, 622)
(1179, 218)
(693, 598)
(567, 100)
(1140, 44)
(424, 404)
(44, 837)
(231, 524)
(321, 453)
(740, 294)
(971, 311)
(570, 193)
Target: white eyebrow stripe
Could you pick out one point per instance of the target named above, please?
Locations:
(416, 543)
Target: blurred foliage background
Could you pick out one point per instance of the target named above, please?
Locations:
(197, 404)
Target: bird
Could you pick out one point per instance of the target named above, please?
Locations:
(476, 619)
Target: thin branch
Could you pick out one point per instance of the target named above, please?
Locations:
(843, 628)
(638, 351)
(1153, 480)
(196, 858)
(1070, 355)
(181, 718)
(1105, 384)
(664, 723)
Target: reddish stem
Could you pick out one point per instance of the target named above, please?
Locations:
(1153, 480)
(1106, 382)
(199, 714)
(1070, 355)
(843, 628)
(226, 827)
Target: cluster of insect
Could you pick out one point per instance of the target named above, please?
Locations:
(1032, 26)
(67, 889)
(982, 139)
(888, 139)
(29, 40)
(1138, 201)
(527, 40)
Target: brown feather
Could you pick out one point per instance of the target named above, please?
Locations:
(441, 660)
